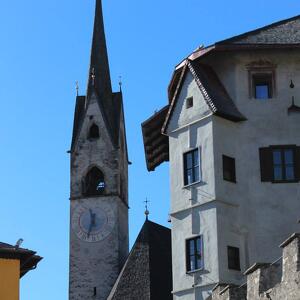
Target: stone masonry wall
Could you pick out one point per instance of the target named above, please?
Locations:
(268, 281)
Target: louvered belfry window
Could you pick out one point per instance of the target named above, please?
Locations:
(94, 132)
(280, 164)
(93, 184)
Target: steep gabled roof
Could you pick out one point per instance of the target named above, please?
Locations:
(213, 91)
(28, 259)
(147, 273)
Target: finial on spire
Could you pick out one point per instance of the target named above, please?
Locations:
(120, 83)
(146, 208)
(77, 88)
(93, 76)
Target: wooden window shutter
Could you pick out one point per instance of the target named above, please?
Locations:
(297, 163)
(266, 164)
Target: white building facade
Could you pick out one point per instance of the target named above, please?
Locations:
(231, 134)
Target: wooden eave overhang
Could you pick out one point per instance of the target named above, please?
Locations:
(28, 259)
(156, 144)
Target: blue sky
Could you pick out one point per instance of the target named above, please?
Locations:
(45, 48)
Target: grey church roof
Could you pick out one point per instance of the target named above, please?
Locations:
(147, 273)
(99, 84)
(283, 34)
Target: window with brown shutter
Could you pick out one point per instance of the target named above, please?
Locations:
(280, 164)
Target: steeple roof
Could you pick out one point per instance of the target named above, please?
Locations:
(99, 85)
(99, 76)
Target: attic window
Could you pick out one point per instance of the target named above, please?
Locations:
(262, 85)
(94, 132)
(189, 102)
(262, 79)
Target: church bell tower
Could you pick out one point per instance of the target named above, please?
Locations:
(99, 181)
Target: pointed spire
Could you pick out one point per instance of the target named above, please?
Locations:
(99, 76)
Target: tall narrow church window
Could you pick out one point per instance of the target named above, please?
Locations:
(194, 255)
(94, 132)
(93, 183)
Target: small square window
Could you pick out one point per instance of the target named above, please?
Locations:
(229, 168)
(262, 84)
(191, 167)
(189, 102)
(194, 255)
(233, 258)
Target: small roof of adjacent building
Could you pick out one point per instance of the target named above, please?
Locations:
(147, 272)
(28, 258)
(284, 34)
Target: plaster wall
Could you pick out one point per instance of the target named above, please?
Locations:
(252, 215)
(263, 213)
(9, 279)
(193, 209)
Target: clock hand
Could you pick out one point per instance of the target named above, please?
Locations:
(93, 222)
(93, 219)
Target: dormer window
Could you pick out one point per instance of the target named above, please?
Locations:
(94, 132)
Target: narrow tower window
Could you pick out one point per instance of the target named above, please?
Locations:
(194, 257)
(93, 183)
(233, 258)
(229, 168)
(94, 132)
(191, 167)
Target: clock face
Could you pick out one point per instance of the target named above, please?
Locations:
(93, 223)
